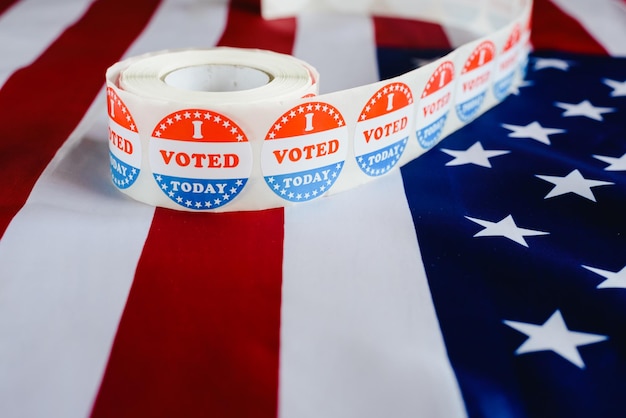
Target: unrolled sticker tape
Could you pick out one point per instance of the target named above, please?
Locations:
(228, 129)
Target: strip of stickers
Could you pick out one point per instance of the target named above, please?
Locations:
(204, 158)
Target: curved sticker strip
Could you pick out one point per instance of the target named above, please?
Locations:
(228, 129)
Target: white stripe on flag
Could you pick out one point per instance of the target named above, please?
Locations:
(31, 25)
(350, 62)
(86, 238)
(183, 24)
(359, 333)
(73, 295)
(605, 20)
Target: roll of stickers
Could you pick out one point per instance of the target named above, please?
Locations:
(228, 129)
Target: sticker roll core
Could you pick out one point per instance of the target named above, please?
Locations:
(232, 129)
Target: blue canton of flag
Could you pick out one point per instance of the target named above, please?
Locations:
(521, 219)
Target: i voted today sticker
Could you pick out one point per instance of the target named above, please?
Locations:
(507, 64)
(383, 129)
(200, 159)
(474, 81)
(434, 105)
(304, 151)
(124, 143)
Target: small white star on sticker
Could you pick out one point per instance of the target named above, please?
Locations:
(584, 108)
(614, 280)
(533, 130)
(553, 335)
(505, 228)
(475, 154)
(575, 183)
(543, 63)
(615, 164)
(619, 87)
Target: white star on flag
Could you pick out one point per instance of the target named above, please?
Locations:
(515, 88)
(616, 164)
(584, 108)
(542, 63)
(505, 228)
(553, 335)
(533, 130)
(619, 87)
(574, 182)
(475, 154)
(614, 280)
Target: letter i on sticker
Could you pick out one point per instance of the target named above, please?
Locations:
(304, 151)
(200, 159)
(124, 144)
(434, 105)
(507, 64)
(383, 129)
(474, 81)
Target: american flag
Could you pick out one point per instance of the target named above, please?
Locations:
(484, 279)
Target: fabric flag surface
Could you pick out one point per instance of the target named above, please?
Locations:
(484, 279)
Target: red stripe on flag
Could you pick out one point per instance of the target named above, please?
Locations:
(555, 30)
(405, 33)
(245, 29)
(42, 103)
(200, 333)
(5, 4)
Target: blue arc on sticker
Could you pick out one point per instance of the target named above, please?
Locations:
(501, 87)
(381, 161)
(468, 109)
(199, 194)
(429, 134)
(523, 66)
(122, 174)
(304, 185)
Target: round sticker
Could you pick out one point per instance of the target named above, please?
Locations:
(383, 129)
(124, 143)
(434, 105)
(200, 159)
(506, 65)
(304, 151)
(474, 81)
